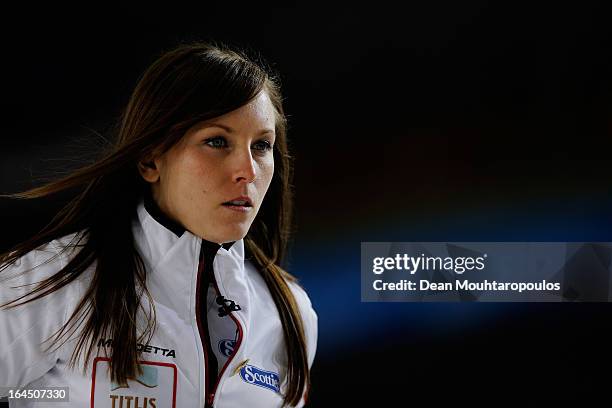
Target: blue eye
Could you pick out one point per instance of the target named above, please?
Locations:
(220, 142)
(216, 142)
(262, 145)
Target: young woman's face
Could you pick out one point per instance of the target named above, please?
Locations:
(218, 161)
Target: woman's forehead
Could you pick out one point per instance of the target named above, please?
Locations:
(256, 117)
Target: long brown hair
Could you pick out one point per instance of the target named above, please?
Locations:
(186, 85)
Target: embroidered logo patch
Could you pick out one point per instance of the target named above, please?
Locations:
(262, 378)
(226, 347)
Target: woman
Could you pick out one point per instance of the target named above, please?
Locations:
(158, 285)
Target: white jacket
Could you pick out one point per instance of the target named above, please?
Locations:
(246, 335)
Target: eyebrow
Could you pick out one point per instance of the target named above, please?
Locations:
(230, 130)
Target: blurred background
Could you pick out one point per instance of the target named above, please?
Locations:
(428, 121)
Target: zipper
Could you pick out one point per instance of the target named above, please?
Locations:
(209, 399)
(203, 332)
(238, 343)
(204, 335)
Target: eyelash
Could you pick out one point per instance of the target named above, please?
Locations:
(210, 141)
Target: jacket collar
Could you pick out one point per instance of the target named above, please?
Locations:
(153, 209)
(160, 233)
(171, 261)
(160, 217)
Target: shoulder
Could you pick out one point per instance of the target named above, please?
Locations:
(22, 276)
(301, 297)
(303, 302)
(309, 317)
(33, 267)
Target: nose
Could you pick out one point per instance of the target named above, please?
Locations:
(244, 170)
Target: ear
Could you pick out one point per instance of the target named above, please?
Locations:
(148, 170)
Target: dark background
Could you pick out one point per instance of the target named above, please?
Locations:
(431, 121)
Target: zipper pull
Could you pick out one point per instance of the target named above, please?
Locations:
(209, 399)
(227, 306)
(239, 367)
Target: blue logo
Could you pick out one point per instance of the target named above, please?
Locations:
(226, 347)
(266, 379)
(148, 378)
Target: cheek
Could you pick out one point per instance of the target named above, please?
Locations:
(267, 172)
(187, 176)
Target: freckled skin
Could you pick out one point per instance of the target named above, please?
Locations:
(191, 180)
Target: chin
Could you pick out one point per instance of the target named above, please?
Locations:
(228, 236)
(235, 236)
(224, 232)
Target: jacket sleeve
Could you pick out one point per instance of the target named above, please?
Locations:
(312, 332)
(310, 320)
(23, 358)
(311, 323)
